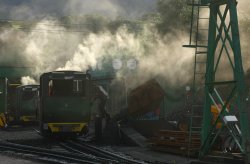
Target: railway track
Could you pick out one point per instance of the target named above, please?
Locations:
(73, 151)
(85, 152)
(97, 151)
(47, 155)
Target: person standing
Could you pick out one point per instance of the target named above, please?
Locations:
(99, 111)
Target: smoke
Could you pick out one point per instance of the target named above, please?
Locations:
(48, 46)
(244, 24)
(26, 80)
(168, 61)
(157, 57)
(243, 7)
(95, 47)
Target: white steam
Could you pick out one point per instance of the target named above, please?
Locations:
(27, 80)
(49, 47)
(97, 46)
(165, 58)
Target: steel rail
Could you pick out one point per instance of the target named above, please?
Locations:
(100, 151)
(90, 150)
(47, 153)
(75, 149)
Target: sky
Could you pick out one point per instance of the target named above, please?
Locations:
(37, 9)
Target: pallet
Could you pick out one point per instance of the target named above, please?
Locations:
(175, 142)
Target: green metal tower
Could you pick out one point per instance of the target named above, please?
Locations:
(223, 69)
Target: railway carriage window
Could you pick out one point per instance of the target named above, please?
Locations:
(66, 88)
(78, 88)
(50, 87)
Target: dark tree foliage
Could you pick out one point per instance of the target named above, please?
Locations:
(88, 23)
(132, 26)
(174, 14)
(95, 23)
(171, 15)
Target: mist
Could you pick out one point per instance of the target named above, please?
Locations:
(49, 45)
(26, 80)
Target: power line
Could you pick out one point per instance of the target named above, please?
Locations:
(45, 30)
(28, 67)
(26, 26)
(48, 24)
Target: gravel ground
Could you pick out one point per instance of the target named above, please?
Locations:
(151, 156)
(31, 134)
(4, 159)
(19, 133)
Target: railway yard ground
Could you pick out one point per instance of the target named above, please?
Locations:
(41, 150)
(7, 159)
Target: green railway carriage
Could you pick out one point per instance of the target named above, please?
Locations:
(3, 95)
(27, 103)
(65, 102)
(3, 101)
(12, 102)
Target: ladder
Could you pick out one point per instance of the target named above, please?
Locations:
(199, 27)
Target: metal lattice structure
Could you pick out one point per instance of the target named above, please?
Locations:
(222, 46)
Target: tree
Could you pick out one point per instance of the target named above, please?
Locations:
(174, 14)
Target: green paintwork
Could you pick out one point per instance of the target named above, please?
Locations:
(66, 109)
(238, 73)
(210, 76)
(69, 108)
(3, 95)
(223, 40)
(27, 107)
(218, 26)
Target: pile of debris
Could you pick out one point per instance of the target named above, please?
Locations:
(175, 142)
(145, 98)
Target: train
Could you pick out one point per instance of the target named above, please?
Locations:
(18, 103)
(27, 100)
(11, 111)
(3, 101)
(65, 102)
(61, 104)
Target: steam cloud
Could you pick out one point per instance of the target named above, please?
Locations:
(50, 46)
(26, 80)
(46, 51)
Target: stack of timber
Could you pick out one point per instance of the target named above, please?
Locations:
(175, 142)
